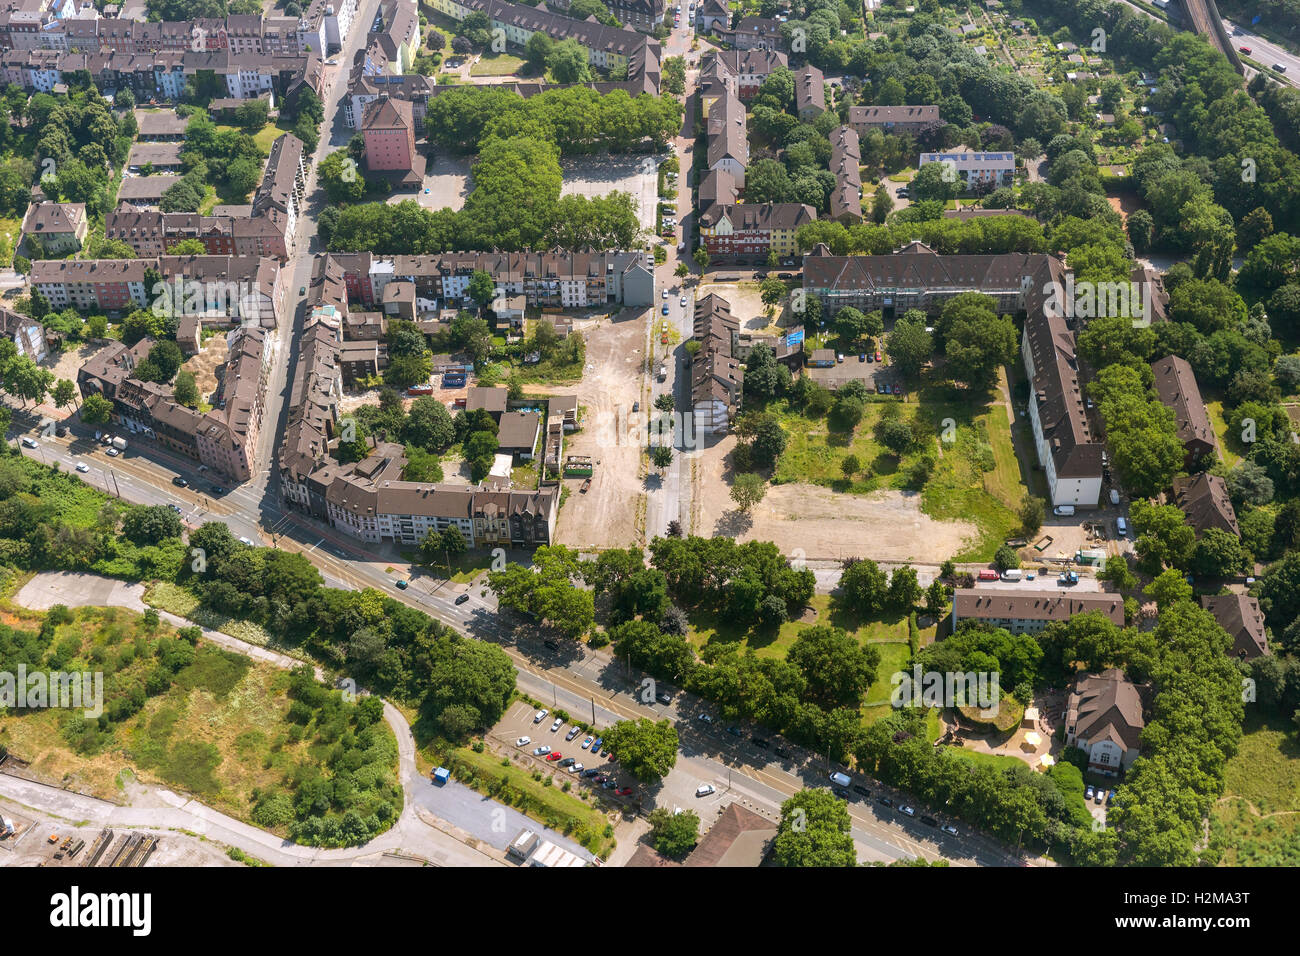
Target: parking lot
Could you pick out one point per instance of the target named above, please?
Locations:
(519, 722)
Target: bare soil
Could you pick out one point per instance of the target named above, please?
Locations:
(608, 515)
(886, 525)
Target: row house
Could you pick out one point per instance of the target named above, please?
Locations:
(745, 69)
(975, 168)
(846, 166)
(716, 375)
(727, 134)
(750, 33)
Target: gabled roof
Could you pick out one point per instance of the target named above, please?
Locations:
(1105, 706)
(1206, 504)
(1241, 617)
(1176, 385)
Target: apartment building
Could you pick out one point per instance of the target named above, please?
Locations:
(973, 169)
(912, 120)
(750, 33)
(643, 15)
(26, 333)
(223, 439)
(728, 138)
(716, 377)
(753, 230)
(544, 279)
(1239, 615)
(1176, 385)
(809, 92)
(1205, 503)
(743, 70)
(608, 48)
(220, 290)
(55, 228)
(1028, 612)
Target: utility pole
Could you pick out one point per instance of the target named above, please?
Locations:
(593, 711)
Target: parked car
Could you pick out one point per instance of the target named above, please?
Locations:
(540, 715)
(595, 748)
(567, 762)
(783, 753)
(625, 792)
(217, 490)
(909, 811)
(735, 731)
(884, 801)
(586, 742)
(682, 303)
(760, 742)
(590, 772)
(863, 791)
(949, 829)
(665, 308)
(705, 718)
(112, 453)
(1101, 795)
(877, 355)
(554, 755)
(556, 726)
(930, 821)
(862, 356)
(550, 645)
(523, 741)
(664, 697)
(1088, 794)
(572, 733)
(179, 482)
(541, 751)
(665, 295)
(704, 790)
(840, 792)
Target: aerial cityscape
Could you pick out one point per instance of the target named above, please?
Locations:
(651, 434)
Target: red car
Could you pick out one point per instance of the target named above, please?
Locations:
(609, 756)
(625, 792)
(554, 755)
(1245, 49)
(877, 355)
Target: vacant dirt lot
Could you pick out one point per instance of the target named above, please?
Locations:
(886, 525)
(608, 514)
(204, 365)
(746, 306)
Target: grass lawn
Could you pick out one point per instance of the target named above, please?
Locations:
(1227, 447)
(497, 64)
(1257, 822)
(977, 476)
(996, 761)
(220, 731)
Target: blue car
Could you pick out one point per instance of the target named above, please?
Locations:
(665, 310)
(595, 747)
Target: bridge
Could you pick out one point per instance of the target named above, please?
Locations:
(1205, 19)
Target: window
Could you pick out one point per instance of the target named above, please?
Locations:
(1105, 759)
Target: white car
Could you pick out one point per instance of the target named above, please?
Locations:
(112, 453)
(910, 811)
(574, 767)
(82, 467)
(704, 790)
(587, 743)
(540, 715)
(557, 725)
(683, 302)
(541, 751)
(523, 741)
(665, 293)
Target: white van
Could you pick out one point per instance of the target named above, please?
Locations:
(1012, 574)
(840, 779)
(1114, 496)
(1063, 511)
(1122, 525)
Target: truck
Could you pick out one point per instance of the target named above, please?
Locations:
(119, 443)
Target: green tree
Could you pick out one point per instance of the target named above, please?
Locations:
(838, 669)
(747, 490)
(645, 749)
(96, 410)
(674, 834)
(814, 832)
(864, 587)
